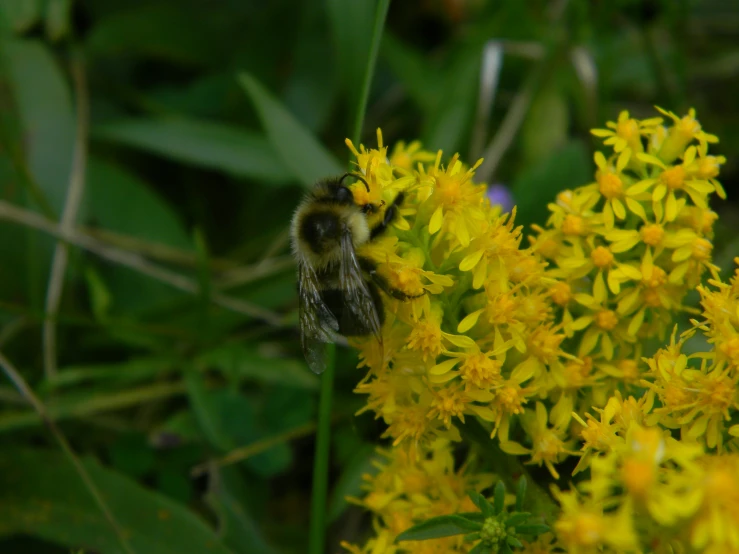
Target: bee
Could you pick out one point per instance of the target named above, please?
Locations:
(338, 289)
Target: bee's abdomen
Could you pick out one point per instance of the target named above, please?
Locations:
(350, 324)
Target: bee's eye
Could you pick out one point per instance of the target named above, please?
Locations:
(344, 196)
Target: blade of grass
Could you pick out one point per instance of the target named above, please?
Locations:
(301, 152)
(317, 534)
(96, 404)
(380, 16)
(20, 383)
(69, 215)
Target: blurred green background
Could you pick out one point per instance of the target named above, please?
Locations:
(164, 336)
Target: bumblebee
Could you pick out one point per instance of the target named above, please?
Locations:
(338, 289)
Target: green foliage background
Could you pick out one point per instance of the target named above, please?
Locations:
(194, 128)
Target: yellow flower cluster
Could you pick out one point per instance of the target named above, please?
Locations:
(524, 338)
(482, 333)
(406, 491)
(626, 249)
(648, 488)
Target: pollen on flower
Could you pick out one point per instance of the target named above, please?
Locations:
(577, 373)
(426, 339)
(673, 177)
(629, 369)
(652, 234)
(606, 319)
(448, 403)
(701, 249)
(480, 370)
(602, 257)
(730, 349)
(637, 475)
(544, 343)
(573, 225)
(610, 185)
(511, 399)
(561, 293)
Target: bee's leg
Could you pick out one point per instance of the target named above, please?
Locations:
(371, 268)
(369, 208)
(390, 214)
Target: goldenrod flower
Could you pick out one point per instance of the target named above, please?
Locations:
(627, 132)
(526, 340)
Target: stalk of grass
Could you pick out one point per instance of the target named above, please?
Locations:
(380, 16)
(317, 534)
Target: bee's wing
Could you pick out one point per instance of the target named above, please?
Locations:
(318, 326)
(358, 299)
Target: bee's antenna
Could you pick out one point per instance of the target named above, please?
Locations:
(356, 176)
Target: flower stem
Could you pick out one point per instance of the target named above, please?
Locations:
(317, 536)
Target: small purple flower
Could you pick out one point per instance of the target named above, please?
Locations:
(499, 195)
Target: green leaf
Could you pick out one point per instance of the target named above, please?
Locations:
(308, 160)
(132, 454)
(227, 148)
(481, 502)
(412, 69)
(499, 501)
(130, 371)
(100, 297)
(44, 107)
(311, 89)
(42, 495)
(566, 167)
(242, 361)
(532, 529)
(19, 15)
(546, 125)
(57, 18)
(517, 518)
(472, 516)
(520, 493)
(449, 121)
(350, 481)
(513, 541)
(155, 30)
(118, 201)
(437, 527)
(480, 548)
(236, 526)
(229, 420)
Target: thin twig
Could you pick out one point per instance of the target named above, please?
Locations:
(508, 129)
(69, 215)
(243, 275)
(515, 116)
(245, 452)
(492, 61)
(133, 261)
(155, 250)
(92, 488)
